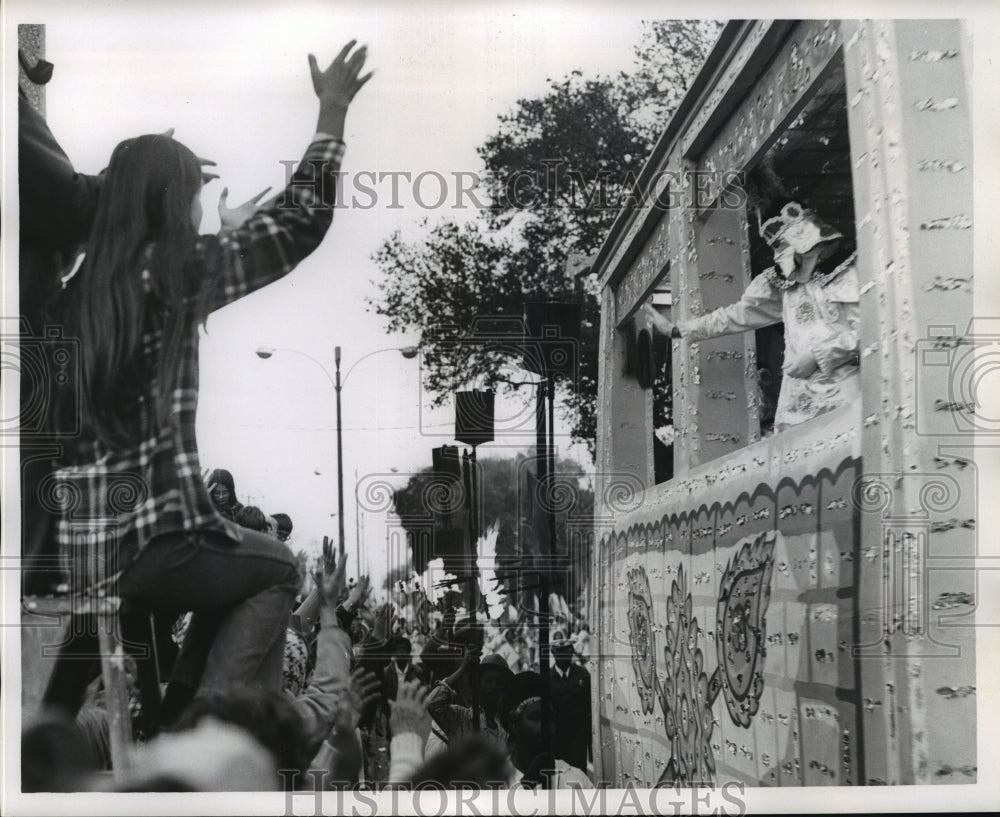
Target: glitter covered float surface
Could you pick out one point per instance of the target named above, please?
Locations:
(773, 608)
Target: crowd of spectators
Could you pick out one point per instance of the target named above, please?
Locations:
(382, 693)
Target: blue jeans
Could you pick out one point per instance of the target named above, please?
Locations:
(240, 594)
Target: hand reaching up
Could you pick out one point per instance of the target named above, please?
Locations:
(471, 658)
(383, 623)
(331, 583)
(359, 594)
(355, 696)
(337, 85)
(408, 712)
(233, 217)
(206, 177)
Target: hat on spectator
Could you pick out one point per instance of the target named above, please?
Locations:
(522, 690)
(496, 663)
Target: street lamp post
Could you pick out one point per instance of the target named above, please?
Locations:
(408, 352)
(340, 461)
(357, 527)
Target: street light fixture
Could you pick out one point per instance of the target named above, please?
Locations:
(408, 352)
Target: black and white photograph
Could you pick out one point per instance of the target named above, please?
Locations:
(499, 408)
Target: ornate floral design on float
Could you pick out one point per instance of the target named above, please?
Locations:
(685, 696)
(687, 693)
(640, 621)
(745, 592)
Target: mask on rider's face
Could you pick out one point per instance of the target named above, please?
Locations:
(786, 259)
(795, 233)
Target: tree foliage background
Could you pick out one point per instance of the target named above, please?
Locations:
(560, 165)
(508, 501)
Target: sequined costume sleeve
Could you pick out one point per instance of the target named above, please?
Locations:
(759, 306)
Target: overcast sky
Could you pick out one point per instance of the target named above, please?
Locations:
(234, 83)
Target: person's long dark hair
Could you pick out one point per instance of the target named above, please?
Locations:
(142, 227)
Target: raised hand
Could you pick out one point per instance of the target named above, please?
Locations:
(355, 696)
(471, 658)
(232, 217)
(383, 620)
(337, 85)
(408, 713)
(206, 177)
(331, 583)
(359, 593)
(469, 635)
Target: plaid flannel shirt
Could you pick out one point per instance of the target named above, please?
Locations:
(110, 497)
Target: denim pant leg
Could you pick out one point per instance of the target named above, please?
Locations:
(249, 646)
(240, 593)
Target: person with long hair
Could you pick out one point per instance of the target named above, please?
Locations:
(222, 492)
(130, 489)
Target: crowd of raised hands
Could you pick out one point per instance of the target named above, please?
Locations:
(358, 711)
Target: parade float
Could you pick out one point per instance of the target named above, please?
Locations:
(793, 607)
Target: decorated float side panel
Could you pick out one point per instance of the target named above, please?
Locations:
(726, 625)
(782, 614)
(909, 112)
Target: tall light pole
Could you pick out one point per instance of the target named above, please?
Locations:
(340, 461)
(409, 352)
(357, 528)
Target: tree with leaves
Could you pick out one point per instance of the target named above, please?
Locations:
(562, 165)
(508, 494)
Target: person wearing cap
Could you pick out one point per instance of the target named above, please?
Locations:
(454, 721)
(571, 719)
(521, 715)
(814, 289)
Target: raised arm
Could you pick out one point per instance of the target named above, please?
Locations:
(440, 702)
(341, 753)
(57, 203)
(409, 725)
(319, 701)
(759, 306)
(273, 240)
